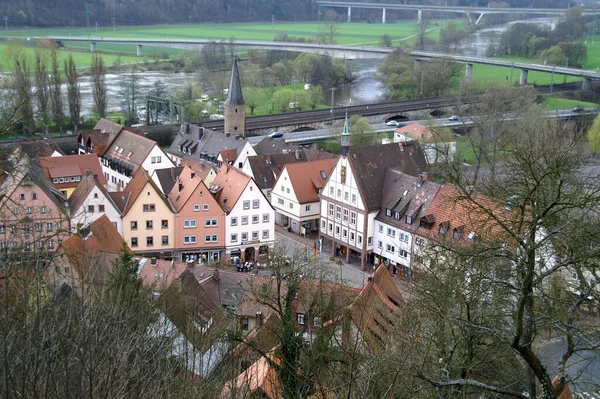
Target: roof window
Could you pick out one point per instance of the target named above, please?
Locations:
(323, 175)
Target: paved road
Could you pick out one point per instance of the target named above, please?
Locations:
(314, 135)
(583, 366)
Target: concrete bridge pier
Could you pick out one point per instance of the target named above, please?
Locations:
(140, 51)
(349, 14)
(479, 18)
(587, 84)
(383, 16)
(469, 74)
(419, 16)
(523, 79)
(92, 47)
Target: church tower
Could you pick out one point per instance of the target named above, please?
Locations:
(345, 138)
(235, 110)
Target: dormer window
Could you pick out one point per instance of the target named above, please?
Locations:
(388, 212)
(444, 227)
(397, 215)
(409, 219)
(121, 151)
(457, 233)
(427, 222)
(323, 175)
(471, 235)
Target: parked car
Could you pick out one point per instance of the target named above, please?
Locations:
(577, 109)
(276, 135)
(455, 118)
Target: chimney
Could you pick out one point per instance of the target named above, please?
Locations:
(215, 275)
(297, 153)
(192, 175)
(200, 133)
(172, 263)
(153, 261)
(259, 319)
(180, 186)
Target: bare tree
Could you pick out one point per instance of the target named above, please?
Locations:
(73, 92)
(58, 114)
(21, 84)
(42, 88)
(98, 72)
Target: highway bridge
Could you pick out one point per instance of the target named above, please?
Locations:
(469, 11)
(350, 52)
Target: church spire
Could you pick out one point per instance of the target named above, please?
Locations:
(345, 137)
(234, 95)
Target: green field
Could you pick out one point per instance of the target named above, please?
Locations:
(347, 33)
(551, 102)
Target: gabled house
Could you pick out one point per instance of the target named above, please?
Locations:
(126, 153)
(405, 200)
(265, 169)
(148, 219)
(35, 150)
(195, 323)
(352, 196)
(455, 220)
(90, 201)
(249, 222)
(34, 215)
(204, 169)
(166, 178)
(295, 195)
(67, 171)
(199, 220)
(437, 145)
(95, 141)
(207, 145)
(86, 257)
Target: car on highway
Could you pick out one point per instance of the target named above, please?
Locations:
(577, 109)
(455, 118)
(276, 135)
(393, 123)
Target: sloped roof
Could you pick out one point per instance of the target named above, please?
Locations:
(202, 168)
(369, 165)
(130, 148)
(309, 178)
(319, 297)
(270, 145)
(234, 95)
(28, 168)
(97, 138)
(108, 127)
(188, 185)
(408, 195)
(72, 165)
(266, 168)
(374, 307)
(167, 177)
(228, 155)
(83, 250)
(261, 292)
(452, 209)
(260, 377)
(134, 189)
(229, 185)
(83, 190)
(38, 149)
(200, 140)
(416, 131)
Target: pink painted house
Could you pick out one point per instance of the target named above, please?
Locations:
(199, 220)
(34, 215)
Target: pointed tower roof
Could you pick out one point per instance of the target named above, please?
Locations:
(234, 95)
(345, 137)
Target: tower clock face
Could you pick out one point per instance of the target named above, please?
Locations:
(343, 175)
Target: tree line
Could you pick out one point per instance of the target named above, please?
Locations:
(556, 46)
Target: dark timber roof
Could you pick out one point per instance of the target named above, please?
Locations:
(234, 96)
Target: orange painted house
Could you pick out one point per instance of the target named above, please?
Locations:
(199, 220)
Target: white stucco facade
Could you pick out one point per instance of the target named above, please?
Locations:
(393, 244)
(250, 223)
(94, 206)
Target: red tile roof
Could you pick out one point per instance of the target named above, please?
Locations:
(134, 189)
(416, 131)
(72, 165)
(83, 250)
(472, 218)
(85, 187)
(229, 185)
(308, 178)
(188, 184)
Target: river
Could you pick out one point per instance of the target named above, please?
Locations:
(364, 89)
